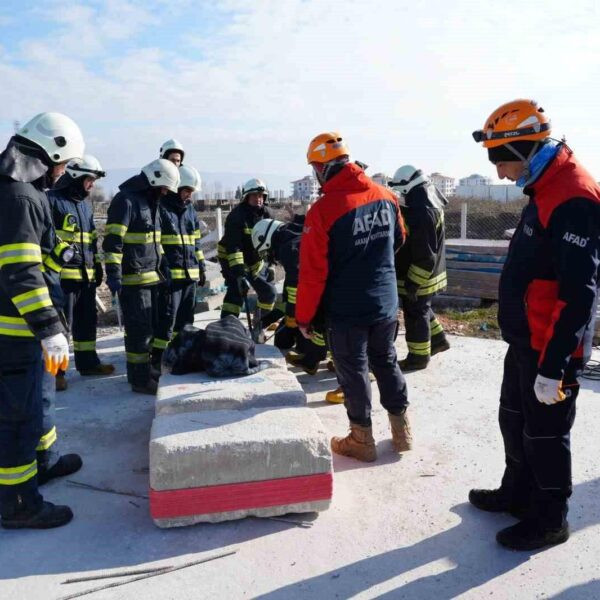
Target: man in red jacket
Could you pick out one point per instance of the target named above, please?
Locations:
(347, 264)
(546, 312)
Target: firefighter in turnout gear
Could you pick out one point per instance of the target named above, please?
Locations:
(135, 265)
(180, 238)
(240, 263)
(281, 242)
(74, 223)
(546, 312)
(32, 332)
(420, 265)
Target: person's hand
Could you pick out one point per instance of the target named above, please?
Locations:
(99, 274)
(242, 285)
(56, 353)
(306, 331)
(548, 391)
(114, 284)
(202, 279)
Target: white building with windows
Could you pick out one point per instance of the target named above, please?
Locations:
(443, 183)
(306, 189)
(381, 178)
(475, 179)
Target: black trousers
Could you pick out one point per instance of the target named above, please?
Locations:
(536, 438)
(140, 315)
(233, 301)
(355, 349)
(21, 372)
(81, 314)
(422, 327)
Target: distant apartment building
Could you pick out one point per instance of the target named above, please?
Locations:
(500, 193)
(305, 189)
(380, 178)
(475, 179)
(443, 183)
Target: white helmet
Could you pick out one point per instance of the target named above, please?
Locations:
(262, 233)
(189, 178)
(406, 178)
(254, 186)
(88, 166)
(171, 145)
(58, 135)
(162, 173)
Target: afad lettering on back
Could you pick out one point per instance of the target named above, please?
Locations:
(576, 239)
(367, 222)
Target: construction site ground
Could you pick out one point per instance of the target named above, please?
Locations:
(397, 528)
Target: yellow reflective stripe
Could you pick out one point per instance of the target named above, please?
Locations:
(75, 236)
(141, 278)
(436, 327)
(418, 275)
(197, 234)
(265, 305)
(88, 346)
(248, 230)
(113, 258)
(32, 300)
(291, 294)
(76, 274)
(16, 475)
(317, 339)
(177, 240)
(199, 255)
(433, 285)
(14, 326)
(221, 252)
(19, 253)
(419, 348)
(231, 308)
(137, 358)
(235, 258)
(142, 238)
(47, 440)
(116, 229)
(257, 267)
(181, 273)
(160, 344)
(51, 263)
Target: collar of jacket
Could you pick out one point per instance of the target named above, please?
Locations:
(172, 202)
(351, 178)
(21, 163)
(71, 189)
(139, 184)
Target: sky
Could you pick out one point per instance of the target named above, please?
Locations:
(245, 84)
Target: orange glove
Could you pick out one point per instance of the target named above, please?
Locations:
(56, 353)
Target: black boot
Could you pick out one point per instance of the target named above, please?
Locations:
(531, 535)
(150, 387)
(439, 343)
(67, 464)
(413, 362)
(47, 517)
(499, 501)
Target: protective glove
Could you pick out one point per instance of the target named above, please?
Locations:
(242, 285)
(99, 274)
(56, 353)
(114, 283)
(202, 278)
(548, 391)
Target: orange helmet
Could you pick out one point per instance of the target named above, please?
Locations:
(518, 120)
(326, 147)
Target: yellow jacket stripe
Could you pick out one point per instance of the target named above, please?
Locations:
(116, 229)
(84, 346)
(178, 240)
(142, 238)
(76, 274)
(32, 300)
(14, 326)
(182, 274)
(76, 236)
(141, 278)
(20, 253)
(113, 258)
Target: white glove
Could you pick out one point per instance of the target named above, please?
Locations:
(548, 391)
(56, 353)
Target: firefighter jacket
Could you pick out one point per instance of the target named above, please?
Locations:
(347, 252)
(74, 223)
(548, 287)
(235, 249)
(28, 250)
(421, 262)
(132, 249)
(180, 238)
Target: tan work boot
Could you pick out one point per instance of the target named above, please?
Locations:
(401, 433)
(335, 396)
(358, 444)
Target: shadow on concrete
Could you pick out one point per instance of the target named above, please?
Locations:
(469, 546)
(590, 589)
(385, 456)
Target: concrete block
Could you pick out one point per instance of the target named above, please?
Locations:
(229, 464)
(273, 386)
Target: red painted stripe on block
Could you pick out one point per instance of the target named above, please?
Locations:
(168, 504)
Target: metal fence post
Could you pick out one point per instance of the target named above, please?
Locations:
(463, 221)
(219, 224)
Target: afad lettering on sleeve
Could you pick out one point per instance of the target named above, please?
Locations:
(576, 240)
(368, 223)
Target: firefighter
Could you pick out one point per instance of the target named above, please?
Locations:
(180, 238)
(281, 242)
(420, 265)
(135, 265)
(347, 261)
(546, 312)
(32, 334)
(172, 150)
(240, 262)
(74, 223)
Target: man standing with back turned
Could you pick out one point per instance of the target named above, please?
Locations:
(347, 262)
(546, 312)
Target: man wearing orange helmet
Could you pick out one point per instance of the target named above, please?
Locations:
(347, 265)
(546, 313)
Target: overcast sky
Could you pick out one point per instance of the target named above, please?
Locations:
(244, 85)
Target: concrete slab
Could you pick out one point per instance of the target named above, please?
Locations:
(275, 385)
(231, 464)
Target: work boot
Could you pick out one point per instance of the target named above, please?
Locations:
(66, 465)
(401, 433)
(498, 501)
(330, 366)
(61, 382)
(358, 444)
(531, 535)
(335, 396)
(99, 369)
(296, 361)
(150, 387)
(155, 372)
(413, 362)
(439, 345)
(47, 517)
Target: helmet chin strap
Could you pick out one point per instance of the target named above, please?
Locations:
(527, 159)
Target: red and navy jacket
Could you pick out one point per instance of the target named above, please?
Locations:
(347, 252)
(548, 287)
